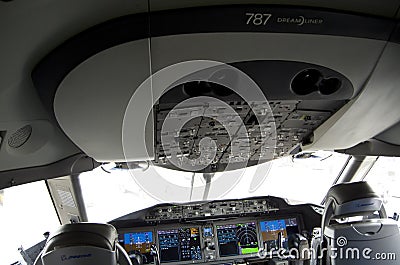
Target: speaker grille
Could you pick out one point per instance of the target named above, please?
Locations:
(66, 198)
(20, 137)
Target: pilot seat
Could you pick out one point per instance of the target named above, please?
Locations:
(355, 228)
(83, 244)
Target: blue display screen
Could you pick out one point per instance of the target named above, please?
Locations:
(207, 232)
(135, 242)
(273, 225)
(138, 238)
(271, 229)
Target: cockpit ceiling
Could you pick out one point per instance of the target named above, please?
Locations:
(72, 87)
(333, 64)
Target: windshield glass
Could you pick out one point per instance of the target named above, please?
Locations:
(110, 193)
(26, 213)
(384, 177)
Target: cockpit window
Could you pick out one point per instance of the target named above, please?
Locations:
(302, 179)
(109, 193)
(384, 177)
(26, 213)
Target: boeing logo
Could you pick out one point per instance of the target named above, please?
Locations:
(65, 258)
(365, 204)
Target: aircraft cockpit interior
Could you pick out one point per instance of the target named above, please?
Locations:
(177, 132)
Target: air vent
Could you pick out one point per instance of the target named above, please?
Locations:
(66, 198)
(20, 137)
(312, 80)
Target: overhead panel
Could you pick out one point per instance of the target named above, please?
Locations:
(308, 63)
(135, 72)
(289, 115)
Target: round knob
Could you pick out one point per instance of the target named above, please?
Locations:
(211, 246)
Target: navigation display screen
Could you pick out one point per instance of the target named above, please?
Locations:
(237, 239)
(271, 229)
(138, 243)
(181, 244)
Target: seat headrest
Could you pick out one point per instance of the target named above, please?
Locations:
(352, 199)
(83, 243)
(83, 234)
(346, 192)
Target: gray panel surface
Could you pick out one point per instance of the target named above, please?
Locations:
(372, 112)
(29, 31)
(353, 57)
(106, 81)
(90, 103)
(385, 8)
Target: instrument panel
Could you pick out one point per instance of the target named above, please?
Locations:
(217, 240)
(138, 243)
(216, 232)
(237, 239)
(179, 244)
(212, 209)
